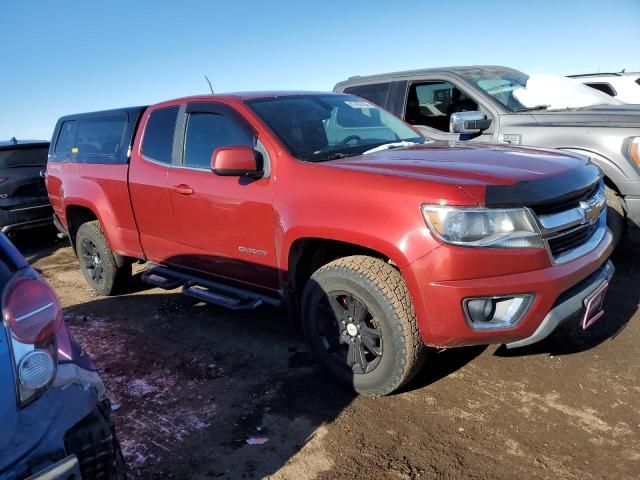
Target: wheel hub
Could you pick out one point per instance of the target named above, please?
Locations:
(352, 329)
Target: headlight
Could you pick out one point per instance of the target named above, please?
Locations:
(634, 149)
(483, 227)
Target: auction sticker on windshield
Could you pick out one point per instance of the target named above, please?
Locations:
(354, 104)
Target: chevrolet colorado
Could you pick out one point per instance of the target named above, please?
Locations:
(379, 242)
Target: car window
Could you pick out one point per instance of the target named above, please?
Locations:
(324, 127)
(603, 87)
(66, 137)
(24, 157)
(376, 93)
(432, 103)
(100, 135)
(208, 131)
(157, 143)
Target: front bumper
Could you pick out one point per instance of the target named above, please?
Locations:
(568, 305)
(440, 281)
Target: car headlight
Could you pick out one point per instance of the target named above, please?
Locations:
(483, 227)
(634, 149)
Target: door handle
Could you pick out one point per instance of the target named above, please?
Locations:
(183, 189)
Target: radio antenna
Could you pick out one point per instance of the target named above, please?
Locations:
(210, 87)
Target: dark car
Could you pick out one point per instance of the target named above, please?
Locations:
(55, 419)
(502, 105)
(23, 196)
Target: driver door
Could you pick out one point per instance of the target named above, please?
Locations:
(430, 103)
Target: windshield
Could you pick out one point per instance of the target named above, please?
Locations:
(518, 92)
(325, 127)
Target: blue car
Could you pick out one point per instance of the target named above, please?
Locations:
(55, 421)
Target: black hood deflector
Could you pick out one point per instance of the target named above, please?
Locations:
(544, 191)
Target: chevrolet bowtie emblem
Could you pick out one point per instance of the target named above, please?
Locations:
(590, 210)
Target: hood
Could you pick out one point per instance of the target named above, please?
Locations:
(596, 116)
(492, 174)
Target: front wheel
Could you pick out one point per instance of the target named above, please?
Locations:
(616, 218)
(359, 321)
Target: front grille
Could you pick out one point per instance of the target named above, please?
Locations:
(571, 239)
(575, 226)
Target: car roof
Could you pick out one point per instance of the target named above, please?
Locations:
(252, 95)
(601, 75)
(14, 143)
(455, 70)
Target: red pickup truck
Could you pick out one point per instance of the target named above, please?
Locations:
(380, 242)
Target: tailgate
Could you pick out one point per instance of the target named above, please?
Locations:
(8, 406)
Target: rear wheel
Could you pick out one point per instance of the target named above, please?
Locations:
(360, 324)
(616, 219)
(97, 261)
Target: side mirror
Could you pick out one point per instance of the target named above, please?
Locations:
(468, 122)
(237, 161)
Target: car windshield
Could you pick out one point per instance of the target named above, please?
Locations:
(518, 92)
(325, 127)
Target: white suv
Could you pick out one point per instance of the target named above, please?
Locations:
(622, 86)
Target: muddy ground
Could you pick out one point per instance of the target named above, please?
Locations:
(192, 383)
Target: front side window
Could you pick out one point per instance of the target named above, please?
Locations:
(324, 127)
(66, 137)
(208, 131)
(100, 135)
(157, 143)
(376, 93)
(432, 103)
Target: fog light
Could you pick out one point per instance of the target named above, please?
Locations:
(36, 370)
(488, 313)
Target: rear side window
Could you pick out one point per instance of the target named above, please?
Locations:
(376, 93)
(23, 157)
(208, 131)
(100, 135)
(158, 135)
(603, 87)
(66, 137)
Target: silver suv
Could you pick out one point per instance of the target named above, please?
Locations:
(503, 105)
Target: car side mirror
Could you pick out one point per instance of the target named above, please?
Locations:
(468, 122)
(237, 161)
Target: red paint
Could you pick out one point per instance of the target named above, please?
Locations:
(244, 230)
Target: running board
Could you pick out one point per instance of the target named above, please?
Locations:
(161, 281)
(205, 290)
(216, 297)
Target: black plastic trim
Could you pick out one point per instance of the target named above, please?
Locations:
(547, 190)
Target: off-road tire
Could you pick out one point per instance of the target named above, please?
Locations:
(616, 218)
(383, 291)
(113, 279)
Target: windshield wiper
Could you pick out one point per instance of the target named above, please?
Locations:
(537, 107)
(331, 156)
(388, 146)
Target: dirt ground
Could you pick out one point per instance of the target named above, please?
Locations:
(191, 383)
